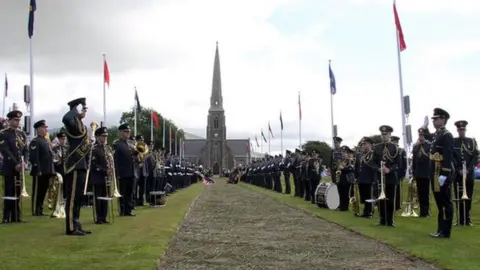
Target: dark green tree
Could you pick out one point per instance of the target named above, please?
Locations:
(144, 120)
(322, 148)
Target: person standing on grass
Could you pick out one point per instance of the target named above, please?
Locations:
(441, 170)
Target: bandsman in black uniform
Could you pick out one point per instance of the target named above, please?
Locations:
(287, 171)
(41, 158)
(314, 171)
(59, 154)
(296, 175)
(345, 175)
(304, 175)
(366, 176)
(125, 169)
(420, 171)
(13, 148)
(336, 156)
(277, 174)
(402, 171)
(76, 164)
(389, 155)
(441, 169)
(141, 184)
(100, 171)
(465, 152)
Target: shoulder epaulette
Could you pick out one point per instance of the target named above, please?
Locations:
(3, 130)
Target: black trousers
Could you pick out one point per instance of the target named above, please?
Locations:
(344, 194)
(277, 185)
(298, 184)
(314, 180)
(40, 186)
(398, 197)
(74, 184)
(100, 207)
(423, 193)
(386, 208)
(443, 199)
(11, 208)
(141, 187)
(126, 202)
(366, 192)
(306, 192)
(464, 207)
(286, 177)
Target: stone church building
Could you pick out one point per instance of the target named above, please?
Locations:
(216, 152)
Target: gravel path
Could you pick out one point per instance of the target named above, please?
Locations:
(230, 227)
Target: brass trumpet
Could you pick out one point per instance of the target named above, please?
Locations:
(382, 182)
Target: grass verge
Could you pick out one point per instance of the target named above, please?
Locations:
(129, 243)
(411, 234)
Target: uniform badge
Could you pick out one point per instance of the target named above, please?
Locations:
(33, 147)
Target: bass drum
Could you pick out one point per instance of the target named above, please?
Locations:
(326, 196)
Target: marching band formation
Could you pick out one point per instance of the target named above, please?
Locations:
(79, 168)
(371, 175)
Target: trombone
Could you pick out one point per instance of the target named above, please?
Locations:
(94, 126)
(382, 196)
(59, 211)
(464, 196)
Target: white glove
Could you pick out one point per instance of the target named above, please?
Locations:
(441, 179)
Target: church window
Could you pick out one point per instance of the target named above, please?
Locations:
(216, 102)
(215, 122)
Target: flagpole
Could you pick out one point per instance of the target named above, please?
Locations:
(175, 142)
(4, 96)
(261, 143)
(299, 123)
(170, 138)
(32, 92)
(402, 105)
(269, 136)
(281, 134)
(135, 108)
(151, 126)
(163, 139)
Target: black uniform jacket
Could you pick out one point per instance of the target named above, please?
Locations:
(41, 157)
(99, 165)
(421, 160)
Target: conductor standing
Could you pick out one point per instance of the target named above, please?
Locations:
(76, 165)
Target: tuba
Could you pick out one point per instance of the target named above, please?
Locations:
(57, 181)
(412, 199)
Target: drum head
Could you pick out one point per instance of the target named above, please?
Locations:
(333, 200)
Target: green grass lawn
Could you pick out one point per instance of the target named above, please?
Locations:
(128, 243)
(461, 251)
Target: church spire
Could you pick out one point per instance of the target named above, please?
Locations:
(216, 99)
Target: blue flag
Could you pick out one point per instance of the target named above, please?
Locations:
(31, 17)
(333, 84)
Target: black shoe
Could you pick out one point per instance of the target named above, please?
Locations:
(391, 224)
(439, 235)
(76, 233)
(5, 221)
(99, 222)
(129, 215)
(85, 231)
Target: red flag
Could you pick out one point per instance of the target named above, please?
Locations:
(155, 119)
(106, 73)
(299, 108)
(400, 37)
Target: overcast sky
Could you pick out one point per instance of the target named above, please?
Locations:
(269, 50)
